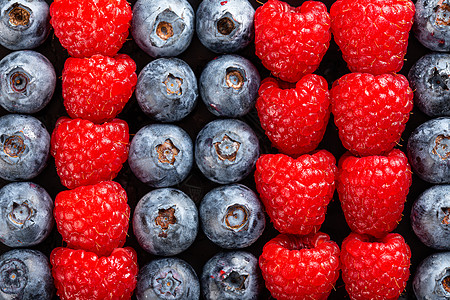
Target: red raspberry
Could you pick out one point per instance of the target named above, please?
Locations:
(300, 267)
(97, 88)
(93, 218)
(81, 275)
(372, 34)
(375, 269)
(371, 111)
(86, 27)
(86, 153)
(373, 191)
(296, 192)
(292, 41)
(294, 119)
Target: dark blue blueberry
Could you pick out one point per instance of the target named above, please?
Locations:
(428, 150)
(24, 24)
(163, 28)
(225, 26)
(26, 214)
(28, 81)
(167, 89)
(231, 276)
(226, 150)
(429, 79)
(165, 222)
(25, 274)
(432, 277)
(229, 85)
(167, 279)
(24, 147)
(161, 155)
(232, 216)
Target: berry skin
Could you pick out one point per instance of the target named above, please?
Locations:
(294, 119)
(431, 280)
(86, 153)
(375, 269)
(372, 34)
(300, 267)
(373, 191)
(82, 275)
(94, 217)
(278, 27)
(24, 24)
(101, 96)
(371, 111)
(296, 192)
(85, 28)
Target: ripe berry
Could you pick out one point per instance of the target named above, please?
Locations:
(431, 280)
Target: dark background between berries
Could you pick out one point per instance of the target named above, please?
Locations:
(196, 185)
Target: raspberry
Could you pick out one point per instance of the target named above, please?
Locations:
(86, 27)
(296, 192)
(372, 34)
(300, 267)
(375, 269)
(292, 41)
(81, 275)
(97, 88)
(294, 119)
(373, 191)
(86, 153)
(93, 218)
(371, 111)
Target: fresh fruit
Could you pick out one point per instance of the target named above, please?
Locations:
(431, 280)
(225, 26)
(294, 119)
(226, 150)
(229, 85)
(430, 217)
(163, 28)
(428, 150)
(25, 145)
(231, 275)
(232, 216)
(291, 42)
(373, 191)
(97, 88)
(82, 275)
(93, 217)
(86, 153)
(167, 278)
(167, 89)
(300, 267)
(296, 192)
(372, 34)
(375, 268)
(371, 111)
(165, 222)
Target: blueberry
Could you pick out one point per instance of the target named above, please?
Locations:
(229, 85)
(24, 147)
(161, 155)
(232, 216)
(430, 217)
(167, 278)
(165, 222)
(24, 24)
(428, 150)
(432, 277)
(28, 81)
(163, 28)
(25, 274)
(167, 89)
(226, 150)
(225, 26)
(231, 276)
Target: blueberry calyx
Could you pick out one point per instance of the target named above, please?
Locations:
(438, 79)
(165, 218)
(167, 152)
(20, 214)
(19, 80)
(234, 282)
(236, 218)
(442, 14)
(443, 288)
(227, 148)
(226, 24)
(14, 147)
(173, 84)
(164, 30)
(13, 276)
(442, 146)
(168, 26)
(166, 284)
(19, 16)
(235, 78)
